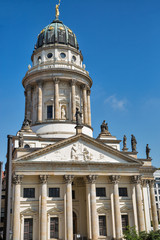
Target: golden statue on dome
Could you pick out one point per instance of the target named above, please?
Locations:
(57, 9)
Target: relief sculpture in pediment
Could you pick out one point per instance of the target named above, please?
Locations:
(80, 153)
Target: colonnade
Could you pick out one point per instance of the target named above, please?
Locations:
(92, 217)
(57, 111)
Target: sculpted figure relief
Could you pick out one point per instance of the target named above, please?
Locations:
(133, 143)
(86, 154)
(74, 152)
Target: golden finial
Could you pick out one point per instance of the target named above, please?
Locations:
(57, 9)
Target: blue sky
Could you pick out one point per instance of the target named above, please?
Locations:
(120, 42)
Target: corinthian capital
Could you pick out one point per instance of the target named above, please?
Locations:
(43, 178)
(17, 179)
(68, 178)
(92, 178)
(136, 179)
(115, 178)
(151, 182)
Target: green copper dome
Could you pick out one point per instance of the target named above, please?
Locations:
(57, 32)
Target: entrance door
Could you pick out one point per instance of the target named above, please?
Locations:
(74, 223)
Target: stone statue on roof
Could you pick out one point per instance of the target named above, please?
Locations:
(133, 143)
(78, 117)
(57, 9)
(147, 151)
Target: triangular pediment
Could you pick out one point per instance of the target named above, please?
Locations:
(79, 149)
(28, 212)
(55, 210)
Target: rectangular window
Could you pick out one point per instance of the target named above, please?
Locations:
(100, 192)
(102, 226)
(156, 199)
(49, 112)
(2, 214)
(28, 229)
(29, 192)
(124, 222)
(123, 192)
(54, 227)
(54, 192)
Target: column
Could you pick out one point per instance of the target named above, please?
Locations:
(88, 207)
(153, 205)
(69, 211)
(43, 230)
(140, 213)
(89, 106)
(56, 99)
(73, 101)
(94, 219)
(25, 94)
(39, 107)
(118, 223)
(29, 102)
(16, 214)
(85, 110)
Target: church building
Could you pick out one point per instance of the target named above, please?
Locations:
(66, 184)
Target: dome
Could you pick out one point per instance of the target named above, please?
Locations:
(57, 32)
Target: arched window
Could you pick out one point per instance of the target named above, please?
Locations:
(26, 146)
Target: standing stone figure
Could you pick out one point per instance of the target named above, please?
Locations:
(104, 127)
(147, 151)
(21, 140)
(78, 117)
(133, 143)
(125, 143)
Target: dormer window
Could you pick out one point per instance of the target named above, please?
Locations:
(49, 112)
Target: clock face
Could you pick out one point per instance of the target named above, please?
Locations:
(49, 55)
(63, 55)
(73, 58)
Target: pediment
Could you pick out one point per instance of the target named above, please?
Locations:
(28, 212)
(80, 149)
(54, 210)
(103, 209)
(126, 208)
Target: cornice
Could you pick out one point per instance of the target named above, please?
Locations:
(39, 74)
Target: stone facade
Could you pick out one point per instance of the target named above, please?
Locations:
(66, 184)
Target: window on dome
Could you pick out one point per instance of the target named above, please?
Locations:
(50, 55)
(73, 58)
(49, 112)
(63, 55)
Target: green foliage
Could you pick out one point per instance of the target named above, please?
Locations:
(131, 234)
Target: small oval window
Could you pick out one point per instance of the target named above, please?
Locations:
(73, 58)
(63, 55)
(49, 55)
